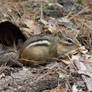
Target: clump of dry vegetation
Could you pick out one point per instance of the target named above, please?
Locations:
(31, 17)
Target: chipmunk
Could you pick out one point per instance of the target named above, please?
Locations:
(9, 55)
(39, 48)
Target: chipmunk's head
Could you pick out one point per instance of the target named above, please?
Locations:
(67, 45)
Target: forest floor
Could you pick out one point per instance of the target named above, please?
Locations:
(53, 16)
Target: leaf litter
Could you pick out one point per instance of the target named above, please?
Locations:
(34, 16)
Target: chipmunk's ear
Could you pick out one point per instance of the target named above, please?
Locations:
(61, 35)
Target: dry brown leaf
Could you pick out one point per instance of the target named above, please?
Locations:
(87, 2)
(32, 27)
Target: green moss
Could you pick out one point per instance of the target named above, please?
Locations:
(39, 90)
(79, 1)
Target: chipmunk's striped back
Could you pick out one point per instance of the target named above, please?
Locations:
(38, 47)
(39, 38)
(41, 42)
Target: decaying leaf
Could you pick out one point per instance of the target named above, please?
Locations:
(32, 27)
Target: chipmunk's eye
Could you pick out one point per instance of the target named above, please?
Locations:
(69, 40)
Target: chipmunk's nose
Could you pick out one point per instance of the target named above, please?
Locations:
(78, 44)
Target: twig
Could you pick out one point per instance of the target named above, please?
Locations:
(83, 10)
(41, 8)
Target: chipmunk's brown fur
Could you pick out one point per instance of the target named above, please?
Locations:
(40, 48)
